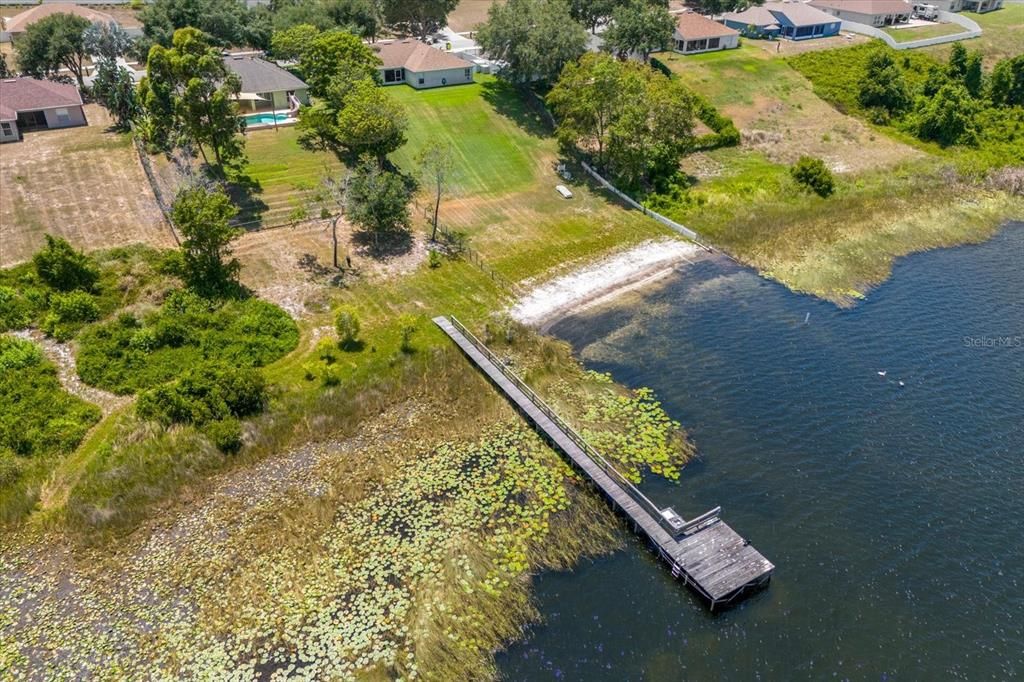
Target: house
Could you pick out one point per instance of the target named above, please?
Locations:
(420, 65)
(868, 12)
(753, 22)
(799, 21)
(943, 5)
(982, 6)
(28, 104)
(695, 33)
(19, 23)
(267, 86)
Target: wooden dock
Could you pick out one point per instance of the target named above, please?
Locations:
(703, 552)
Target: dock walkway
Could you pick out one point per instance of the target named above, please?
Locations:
(704, 552)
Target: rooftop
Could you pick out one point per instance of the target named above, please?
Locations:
(259, 75)
(415, 56)
(693, 26)
(867, 6)
(30, 94)
(800, 14)
(19, 22)
(753, 16)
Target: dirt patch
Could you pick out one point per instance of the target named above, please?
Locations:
(84, 184)
(788, 48)
(291, 266)
(469, 15)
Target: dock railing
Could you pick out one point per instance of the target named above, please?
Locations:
(576, 438)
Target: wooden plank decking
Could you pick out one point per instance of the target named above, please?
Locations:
(709, 556)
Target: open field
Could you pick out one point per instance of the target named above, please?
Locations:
(779, 114)
(469, 14)
(905, 35)
(84, 184)
(1002, 35)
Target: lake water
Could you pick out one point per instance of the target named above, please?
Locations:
(894, 514)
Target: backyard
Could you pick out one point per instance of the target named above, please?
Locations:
(1000, 37)
(84, 184)
(910, 33)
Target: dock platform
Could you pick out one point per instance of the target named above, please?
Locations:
(704, 552)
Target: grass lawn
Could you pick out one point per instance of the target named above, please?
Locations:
(1002, 34)
(84, 184)
(503, 187)
(905, 35)
(779, 113)
(278, 177)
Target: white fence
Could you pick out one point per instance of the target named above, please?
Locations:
(671, 224)
(971, 30)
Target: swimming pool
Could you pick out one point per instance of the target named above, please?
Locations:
(265, 119)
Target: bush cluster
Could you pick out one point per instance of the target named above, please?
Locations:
(128, 354)
(212, 397)
(37, 416)
(814, 175)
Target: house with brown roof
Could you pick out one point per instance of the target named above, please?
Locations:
(28, 104)
(420, 65)
(695, 33)
(869, 12)
(13, 27)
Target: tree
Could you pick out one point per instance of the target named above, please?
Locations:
(201, 215)
(346, 323)
(436, 161)
(883, 86)
(587, 99)
(590, 13)
(949, 117)
(63, 268)
(361, 17)
(114, 88)
(378, 200)
(369, 121)
(333, 199)
(224, 22)
(335, 56)
(634, 120)
(189, 95)
(957, 66)
(813, 174)
(292, 42)
(53, 43)
(639, 27)
(107, 41)
(422, 17)
(974, 77)
(5, 72)
(1006, 85)
(533, 38)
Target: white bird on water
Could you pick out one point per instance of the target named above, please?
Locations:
(883, 373)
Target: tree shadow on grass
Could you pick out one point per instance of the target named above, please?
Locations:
(391, 245)
(516, 105)
(244, 192)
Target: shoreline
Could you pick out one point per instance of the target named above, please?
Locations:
(602, 281)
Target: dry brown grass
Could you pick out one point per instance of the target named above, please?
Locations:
(469, 14)
(778, 113)
(84, 184)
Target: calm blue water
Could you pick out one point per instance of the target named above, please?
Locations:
(895, 515)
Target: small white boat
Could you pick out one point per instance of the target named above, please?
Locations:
(564, 191)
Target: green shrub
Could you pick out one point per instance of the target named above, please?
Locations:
(70, 312)
(37, 416)
(330, 377)
(63, 268)
(813, 174)
(10, 468)
(126, 355)
(434, 260)
(205, 394)
(346, 322)
(226, 434)
(15, 312)
(327, 350)
(408, 330)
